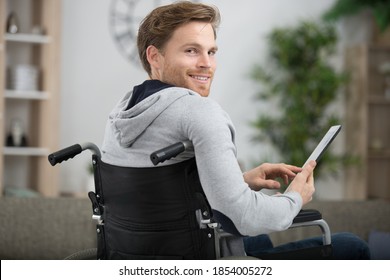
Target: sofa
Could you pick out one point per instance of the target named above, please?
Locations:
(54, 228)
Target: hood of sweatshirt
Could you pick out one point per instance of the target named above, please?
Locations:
(140, 107)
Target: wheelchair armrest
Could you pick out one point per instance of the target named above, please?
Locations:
(305, 218)
(307, 215)
(312, 217)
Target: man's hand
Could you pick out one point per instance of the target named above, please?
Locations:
(304, 183)
(265, 174)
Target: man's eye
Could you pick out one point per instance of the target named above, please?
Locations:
(212, 53)
(191, 51)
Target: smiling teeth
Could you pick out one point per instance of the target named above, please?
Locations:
(200, 78)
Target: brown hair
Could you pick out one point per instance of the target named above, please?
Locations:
(158, 26)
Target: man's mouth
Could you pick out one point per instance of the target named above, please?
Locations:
(199, 78)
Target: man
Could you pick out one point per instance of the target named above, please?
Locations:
(177, 47)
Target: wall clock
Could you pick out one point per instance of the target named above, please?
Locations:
(124, 20)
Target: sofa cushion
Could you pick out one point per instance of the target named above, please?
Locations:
(45, 228)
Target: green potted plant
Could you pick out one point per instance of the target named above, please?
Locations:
(380, 10)
(300, 80)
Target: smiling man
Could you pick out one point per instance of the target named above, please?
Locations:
(177, 47)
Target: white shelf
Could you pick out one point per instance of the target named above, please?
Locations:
(26, 94)
(27, 38)
(25, 151)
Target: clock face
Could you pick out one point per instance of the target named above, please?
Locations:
(125, 17)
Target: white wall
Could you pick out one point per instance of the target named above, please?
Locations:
(95, 75)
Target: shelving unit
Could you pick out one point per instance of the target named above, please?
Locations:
(368, 123)
(37, 108)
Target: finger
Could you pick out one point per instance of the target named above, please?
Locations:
(271, 184)
(310, 179)
(283, 171)
(285, 179)
(308, 169)
(294, 168)
(303, 176)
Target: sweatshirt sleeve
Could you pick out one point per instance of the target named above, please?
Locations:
(212, 134)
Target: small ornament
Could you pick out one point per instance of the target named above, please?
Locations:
(17, 137)
(12, 24)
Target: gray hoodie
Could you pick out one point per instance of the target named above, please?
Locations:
(177, 114)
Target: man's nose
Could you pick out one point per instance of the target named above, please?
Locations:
(204, 61)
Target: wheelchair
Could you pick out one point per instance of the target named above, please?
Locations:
(162, 212)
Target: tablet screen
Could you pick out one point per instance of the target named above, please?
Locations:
(323, 145)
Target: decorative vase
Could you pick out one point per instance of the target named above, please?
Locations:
(16, 137)
(12, 23)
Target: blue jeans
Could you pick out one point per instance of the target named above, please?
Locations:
(346, 246)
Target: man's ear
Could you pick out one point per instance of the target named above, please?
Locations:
(153, 55)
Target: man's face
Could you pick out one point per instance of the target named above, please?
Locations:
(188, 59)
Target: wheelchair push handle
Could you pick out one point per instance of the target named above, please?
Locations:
(72, 151)
(64, 154)
(169, 152)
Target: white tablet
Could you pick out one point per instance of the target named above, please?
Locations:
(323, 145)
